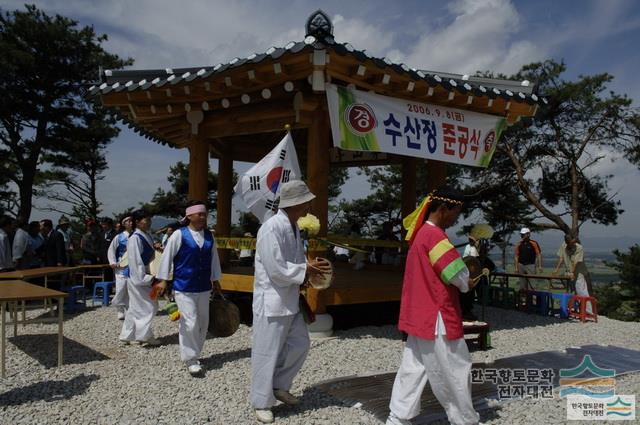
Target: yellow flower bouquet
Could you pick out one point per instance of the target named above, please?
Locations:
(309, 224)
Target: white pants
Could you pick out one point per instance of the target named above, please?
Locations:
(142, 309)
(279, 348)
(447, 365)
(194, 322)
(583, 290)
(121, 299)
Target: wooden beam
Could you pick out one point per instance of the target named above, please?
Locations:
(256, 127)
(318, 169)
(409, 181)
(437, 172)
(225, 192)
(198, 169)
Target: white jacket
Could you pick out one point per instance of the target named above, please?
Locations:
(280, 268)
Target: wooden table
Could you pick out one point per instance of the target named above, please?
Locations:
(14, 291)
(563, 279)
(87, 270)
(27, 274)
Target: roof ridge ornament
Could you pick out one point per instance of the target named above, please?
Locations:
(319, 25)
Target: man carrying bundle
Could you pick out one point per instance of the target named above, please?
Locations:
(192, 257)
(430, 314)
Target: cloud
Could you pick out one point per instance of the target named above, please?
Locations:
(462, 37)
(159, 34)
(362, 35)
(480, 36)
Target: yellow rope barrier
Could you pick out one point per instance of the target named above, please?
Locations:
(315, 244)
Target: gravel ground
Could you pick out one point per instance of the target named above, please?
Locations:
(105, 383)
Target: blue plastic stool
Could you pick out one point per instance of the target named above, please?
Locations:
(563, 311)
(71, 302)
(543, 302)
(538, 302)
(106, 291)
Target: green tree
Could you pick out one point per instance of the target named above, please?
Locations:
(385, 201)
(46, 64)
(337, 178)
(501, 203)
(78, 174)
(554, 157)
(621, 301)
(247, 222)
(8, 197)
(173, 202)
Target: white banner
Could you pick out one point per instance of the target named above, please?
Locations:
(362, 121)
(259, 187)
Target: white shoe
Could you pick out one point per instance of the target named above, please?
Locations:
(120, 315)
(152, 342)
(286, 397)
(195, 369)
(264, 415)
(394, 420)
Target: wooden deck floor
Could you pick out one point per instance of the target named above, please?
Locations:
(372, 284)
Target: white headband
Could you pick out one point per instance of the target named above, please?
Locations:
(195, 209)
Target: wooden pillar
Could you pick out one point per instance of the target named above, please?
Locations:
(409, 189)
(318, 168)
(198, 169)
(437, 173)
(225, 192)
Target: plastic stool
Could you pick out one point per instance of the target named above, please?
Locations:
(539, 302)
(563, 309)
(524, 300)
(106, 291)
(504, 297)
(577, 306)
(70, 302)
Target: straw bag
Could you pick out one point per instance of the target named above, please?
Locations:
(224, 316)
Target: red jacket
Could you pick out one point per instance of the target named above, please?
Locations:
(432, 262)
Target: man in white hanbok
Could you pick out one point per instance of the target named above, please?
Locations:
(190, 259)
(142, 309)
(280, 336)
(117, 250)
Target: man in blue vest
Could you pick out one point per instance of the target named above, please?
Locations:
(115, 254)
(192, 256)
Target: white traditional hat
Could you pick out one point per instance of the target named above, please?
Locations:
(525, 230)
(294, 193)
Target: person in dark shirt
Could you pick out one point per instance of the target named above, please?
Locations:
(108, 234)
(528, 257)
(53, 250)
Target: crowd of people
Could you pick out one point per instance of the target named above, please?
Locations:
(432, 310)
(41, 244)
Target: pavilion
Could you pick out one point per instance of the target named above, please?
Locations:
(237, 112)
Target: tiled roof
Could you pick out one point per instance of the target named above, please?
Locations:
(128, 81)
